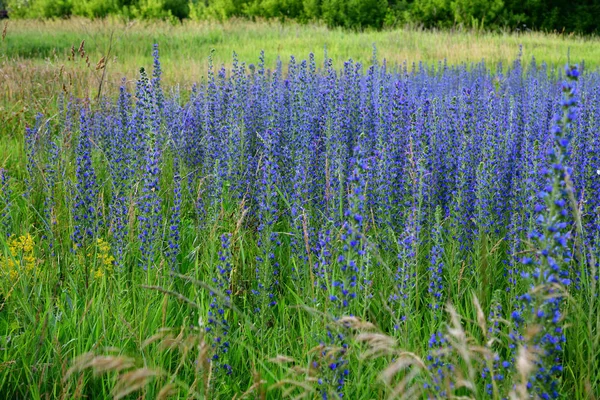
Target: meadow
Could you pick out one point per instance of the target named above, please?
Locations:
(36, 62)
(369, 222)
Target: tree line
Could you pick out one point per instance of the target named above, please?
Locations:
(578, 16)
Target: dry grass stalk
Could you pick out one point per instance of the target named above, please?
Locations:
(404, 389)
(525, 367)
(133, 381)
(99, 364)
(101, 63)
(281, 359)
(102, 364)
(460, 342)
(379, 344)
(256, 388)
(290, 385)
(6, 364)
(167, 391)
(481, 320)
(355, 323)
(403, 362)
(162, 332)
(81, 49)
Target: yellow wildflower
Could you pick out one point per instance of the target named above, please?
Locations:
(13, 275)
(19, 258)
(98, 273)
(104, 260)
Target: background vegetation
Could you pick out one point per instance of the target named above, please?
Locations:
(36, 63)
(560, 15)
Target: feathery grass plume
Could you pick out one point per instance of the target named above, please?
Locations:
(299, 383)
(132, 374)
(459, 361)
(331, 364)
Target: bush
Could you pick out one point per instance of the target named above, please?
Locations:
(219, 10)
(574, 16)
(475, 12)
(431, 13)
(96, 8)
(354, 13)
(161, 9)
(39, 8)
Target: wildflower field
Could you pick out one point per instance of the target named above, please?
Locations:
(308, 231)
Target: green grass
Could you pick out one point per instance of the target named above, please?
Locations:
(191, 43)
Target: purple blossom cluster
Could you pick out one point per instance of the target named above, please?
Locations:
(86, 215)
(549, 268)
(217, 325)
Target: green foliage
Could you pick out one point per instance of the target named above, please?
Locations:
(432, 13)
(275, 8)
(151, 9)
(95, 8)
(39, 8)
(219, 10)
(177, 8)
(475, 12)
(398, 13)
(445, 13)
(354, 13)
(560, 15)
(312, 9)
